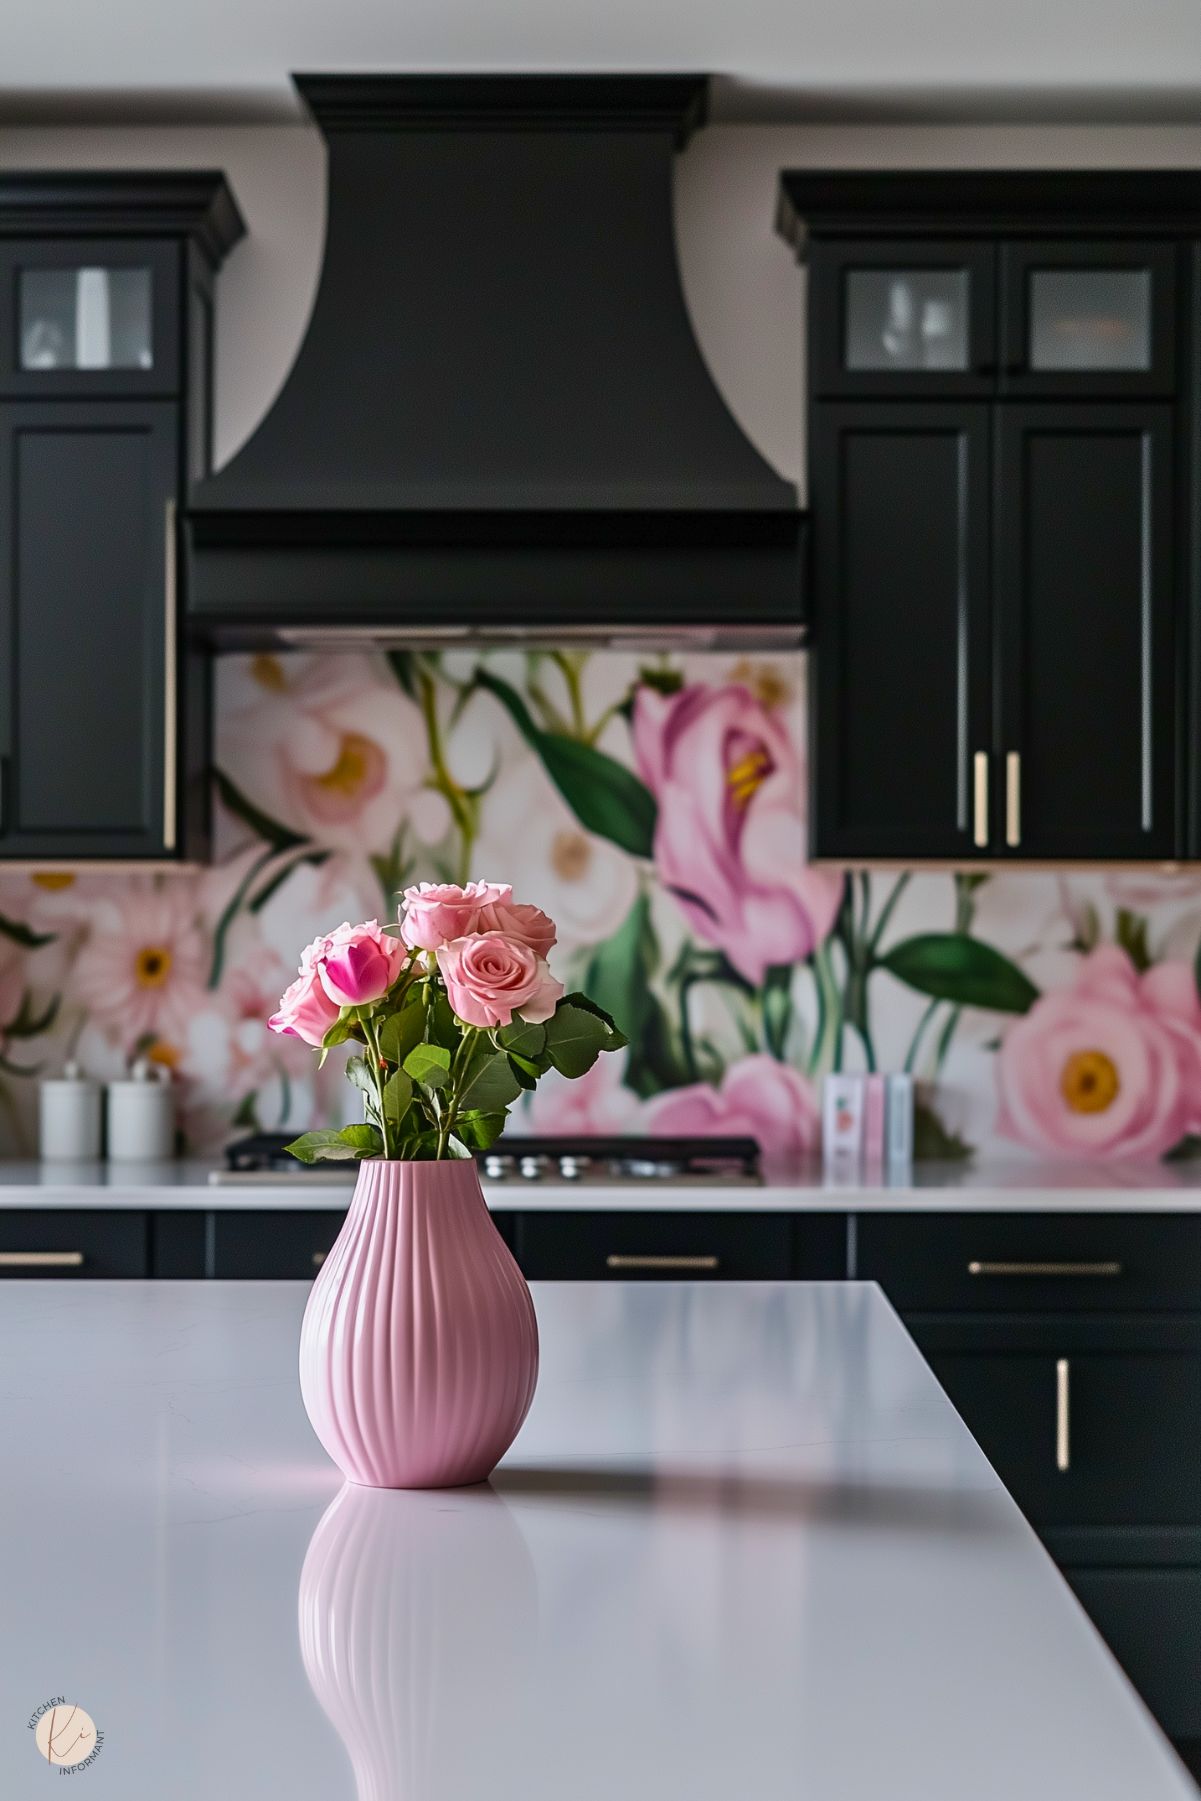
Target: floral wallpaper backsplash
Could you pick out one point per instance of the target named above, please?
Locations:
(657, 812)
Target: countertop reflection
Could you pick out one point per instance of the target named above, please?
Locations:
(742, 1547)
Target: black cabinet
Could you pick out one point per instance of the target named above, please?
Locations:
(1000, 463)
(67, 1243)
(105, 347)
(638, 1246)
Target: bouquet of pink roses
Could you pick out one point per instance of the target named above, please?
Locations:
(457, 1012)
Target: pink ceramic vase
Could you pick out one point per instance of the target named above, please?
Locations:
(419, 1348)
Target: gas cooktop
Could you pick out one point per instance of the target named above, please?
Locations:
(692, 1162)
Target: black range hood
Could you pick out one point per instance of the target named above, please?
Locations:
(499, 424)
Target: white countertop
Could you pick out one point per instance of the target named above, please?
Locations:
(743, 1547)
(1000, 1186)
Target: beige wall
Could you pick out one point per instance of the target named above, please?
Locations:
(743, 289)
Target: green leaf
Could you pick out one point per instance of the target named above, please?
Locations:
(615, 1040)
(953, 967)
(521, 1039)
(330, 1145)
(401, 1031)
(777, 1008)
(1130, 931)
(398, 1092)
(526, 1071)
(489, 1085)
(402, 662)
(358, 1072)
(24, 935)
(281, 837)
(479, 1130)
(620, 970)
(428, 1064)
(338, 1034)
(575, 1038)
(605, 796)
(932, 1142)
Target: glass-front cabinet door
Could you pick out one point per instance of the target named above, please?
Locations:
(902, 318)
(1088, 319)
(89, 317)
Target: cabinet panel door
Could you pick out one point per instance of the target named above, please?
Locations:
(1084, 599)
(86, 695)
(1151, 1621)
(1092, 1438)
(900, 701)
(897, 318)
(1090, 320)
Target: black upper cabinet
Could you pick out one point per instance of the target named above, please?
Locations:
(903, 698)
(1003, 496)
(105, 353)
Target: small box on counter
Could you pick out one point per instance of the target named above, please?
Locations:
(867, 1121)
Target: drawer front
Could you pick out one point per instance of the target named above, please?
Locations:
(1086, 1438)
(1033, 1262)
(39, 1243)
(270, 1246)
(654, 1246)
(1151, 1621)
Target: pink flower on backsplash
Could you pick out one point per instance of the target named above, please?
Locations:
(595, 1105)
(12, 989)
(330, 746)
(758, 1098)
(1109, 1066)
(435, 912)
(141, 971)
(730, 840)
(489, 978)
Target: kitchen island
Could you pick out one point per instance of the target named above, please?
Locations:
(743, 1546)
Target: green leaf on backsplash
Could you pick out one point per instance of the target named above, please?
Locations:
(619, 971)
(402, 664)
(1187, 1151)
(28, 1023)
(606, 797)
(777, 1008)
(953, 967)
(281, 837)
(931, 1139)
(1130, 931)
(24, 935)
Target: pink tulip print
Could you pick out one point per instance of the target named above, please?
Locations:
(657, 810)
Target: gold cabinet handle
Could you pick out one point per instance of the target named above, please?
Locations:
(319, 1258)
(170, 679)
(1063, 1415)
(614, 1261)
(41, 1259)
(980, 799)
(976, 1268)
(1013, 799)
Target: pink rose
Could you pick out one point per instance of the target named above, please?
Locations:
(528, 925)
(1109, 1066)
(436, 912)
(490, 977)
(306, 1011)
(356, 964)
(730, 839)
(758, 1098)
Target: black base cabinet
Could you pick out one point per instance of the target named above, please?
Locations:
(1071, 1346)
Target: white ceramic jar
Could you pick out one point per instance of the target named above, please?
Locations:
(69, 1117)
(141, 1116)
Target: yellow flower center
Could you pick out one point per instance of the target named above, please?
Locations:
(349, 770)
(745, 777)
(570, 855)
(764, 681)
(268, 672)
(1089, 1082)
(162, 1053)
(53, 879)
(152, 966)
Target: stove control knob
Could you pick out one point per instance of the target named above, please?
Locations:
(572, 1168)
(531, 1168)
(496, 1167)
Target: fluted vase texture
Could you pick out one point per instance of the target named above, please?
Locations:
(419, 1347)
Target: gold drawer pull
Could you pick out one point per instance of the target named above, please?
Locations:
(41, 1259)
(1044, 1269)
(613, 1261)
(1063, 1422)
(319, 1258)
(1013, 799)
(980, 800)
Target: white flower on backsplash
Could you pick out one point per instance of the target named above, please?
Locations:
(141, 971)
(331, 747)
(585, 883)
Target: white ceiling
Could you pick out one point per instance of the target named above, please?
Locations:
(1085, 59)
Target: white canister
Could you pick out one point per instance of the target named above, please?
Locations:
(69, 1118)
(141, 1116)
